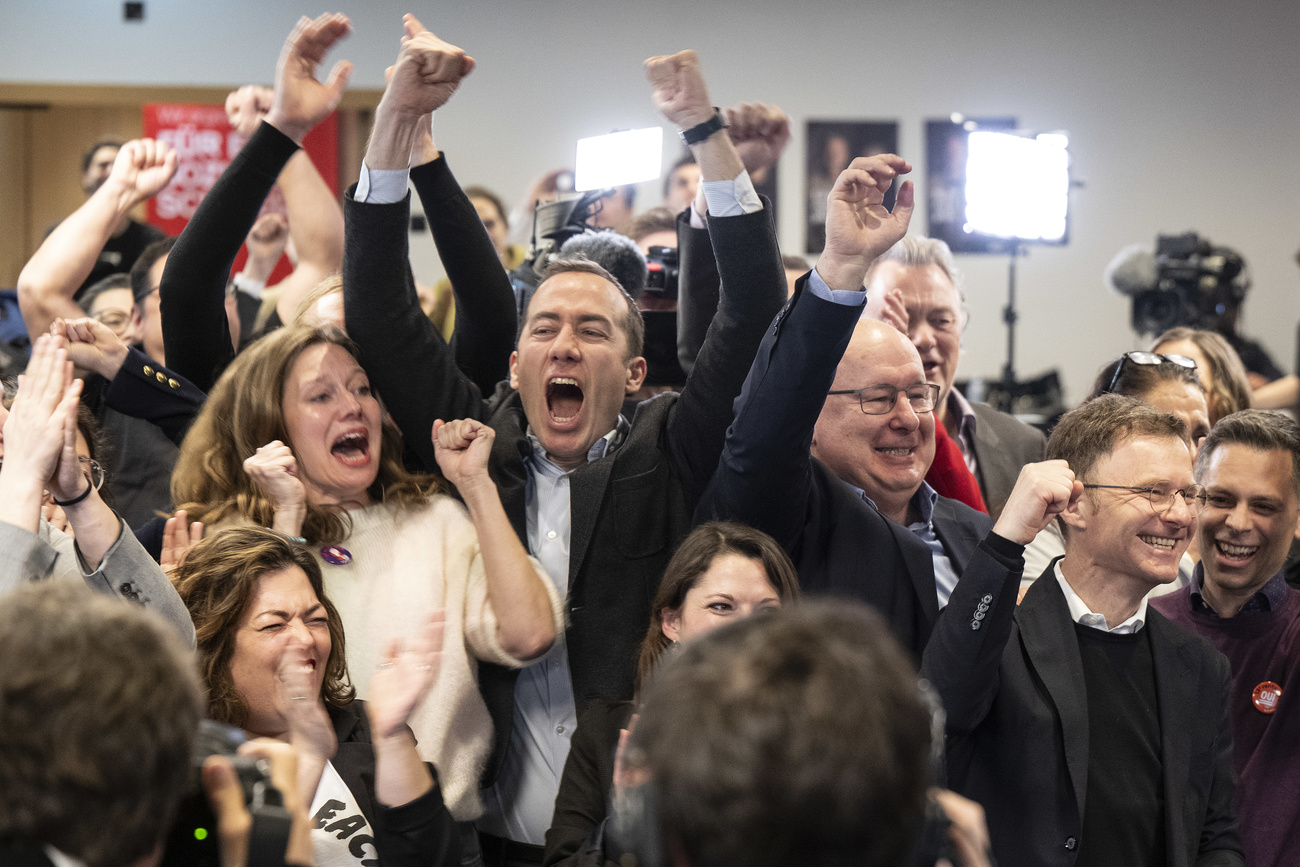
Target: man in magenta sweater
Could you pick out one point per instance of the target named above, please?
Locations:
(1239, 601)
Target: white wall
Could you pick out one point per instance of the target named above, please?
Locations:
(1183, 114)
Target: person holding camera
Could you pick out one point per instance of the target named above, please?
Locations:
(271, 650)
(100, 703)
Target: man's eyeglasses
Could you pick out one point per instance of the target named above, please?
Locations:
(1146, 358)
(114, 319)
(91, 469)
(1161, 497)
(880, 399)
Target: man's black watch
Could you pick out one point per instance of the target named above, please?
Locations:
(701, 131)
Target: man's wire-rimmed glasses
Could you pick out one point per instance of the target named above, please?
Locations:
(880, 399)
(1161, 497)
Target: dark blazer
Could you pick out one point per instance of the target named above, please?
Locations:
(766, 478)
(631, 508)
(1011, 680)
(576, 835)
(418, 834)
(1003, 444)
(145, 389)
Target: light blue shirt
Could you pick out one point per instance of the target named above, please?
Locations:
(520, 805)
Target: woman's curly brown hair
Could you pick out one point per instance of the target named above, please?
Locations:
(217, 582)
(245, 412)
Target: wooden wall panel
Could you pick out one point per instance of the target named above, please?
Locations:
(14, 195)
(45, 129)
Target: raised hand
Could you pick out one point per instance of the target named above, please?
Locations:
(69, 481)
(301, 101)
(92, 345)
(680, 93)
(404, 677)
(247, 107)
(266, 242)
(1042, 492)
(179, 535)
(143, 167)
(858, 227)
(427, 72)
(299, 699)
(759, 132)
(35, 430)
(893, 311)
(275, 470)
(462, 448)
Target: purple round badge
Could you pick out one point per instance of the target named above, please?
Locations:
(336, 555)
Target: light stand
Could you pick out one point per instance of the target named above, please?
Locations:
(1017, 190)
(1009, 316)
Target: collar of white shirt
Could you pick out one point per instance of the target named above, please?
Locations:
(1080, 613)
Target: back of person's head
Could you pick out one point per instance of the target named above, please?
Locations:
(618, 254)
(99, 705)
(217, 581)
(651, 222)
(794, 738)
(692, 559)
(1257, 429)
(1227, 386)
(148, 258)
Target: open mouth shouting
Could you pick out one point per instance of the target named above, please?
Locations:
(352, 448)
(563, 399)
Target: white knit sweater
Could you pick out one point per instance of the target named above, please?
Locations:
(406, 563)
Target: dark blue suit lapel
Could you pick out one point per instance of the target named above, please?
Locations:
(920, 569)
(1053, 650)
(958, 537)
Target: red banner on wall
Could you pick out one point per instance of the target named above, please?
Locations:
(205, 144)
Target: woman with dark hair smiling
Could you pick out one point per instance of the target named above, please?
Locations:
(293, 439)
(723, 572)
(271, 651)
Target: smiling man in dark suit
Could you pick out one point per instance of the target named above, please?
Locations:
(1091, 729)
(915, 287)
(834, 432)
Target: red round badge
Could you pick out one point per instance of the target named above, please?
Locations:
(1266, 696)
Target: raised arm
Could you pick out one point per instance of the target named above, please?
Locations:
(134, 384)
(40, 452)
(767, 447)
(749, 265)
(526, 624)
(193, 293)
(63, 261)
(408, 362)
(962, 661)
(760, 133)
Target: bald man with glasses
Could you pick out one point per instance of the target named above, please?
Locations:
(834, 432)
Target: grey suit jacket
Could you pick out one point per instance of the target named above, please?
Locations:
(1003, 445)
(126, 570)
(1011, 680)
